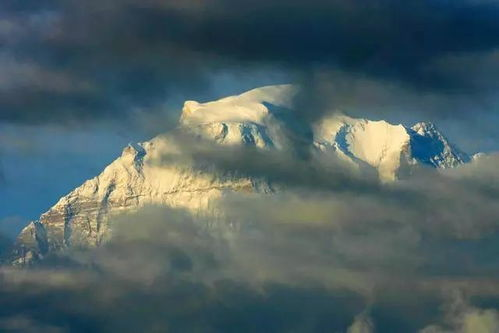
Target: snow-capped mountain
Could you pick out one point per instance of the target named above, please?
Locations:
(261, 118)
(388, 148)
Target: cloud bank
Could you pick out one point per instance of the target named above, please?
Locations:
(418, 255)
(64, 60)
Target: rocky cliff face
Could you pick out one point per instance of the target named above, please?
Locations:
(260, 118)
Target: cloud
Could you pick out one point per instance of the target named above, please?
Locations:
(102, 59)
(182, 271)
(461, 317)
(296, 165)
(23, 324)
(18, 76)
(469, 189)
(304, 259)
(361, 324)
(481, 321)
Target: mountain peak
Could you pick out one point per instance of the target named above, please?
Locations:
(257, 118)
(425, 128)
(431, 147)
(377, 144)
(250, 106)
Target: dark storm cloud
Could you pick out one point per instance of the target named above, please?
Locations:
(71, 63)
(68, 59)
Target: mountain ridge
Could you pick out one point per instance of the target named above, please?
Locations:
(260, 118)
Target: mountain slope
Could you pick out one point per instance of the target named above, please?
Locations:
(261, 118)
(386, 147)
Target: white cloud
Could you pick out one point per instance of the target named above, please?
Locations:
(361, 324)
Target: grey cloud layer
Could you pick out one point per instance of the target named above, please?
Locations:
(311, 258)
(67, 59)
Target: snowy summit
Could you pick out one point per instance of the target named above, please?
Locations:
(261, 118)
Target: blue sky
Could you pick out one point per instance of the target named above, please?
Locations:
(42, 163)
